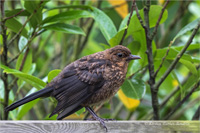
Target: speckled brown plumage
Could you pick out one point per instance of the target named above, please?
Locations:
(86, 81)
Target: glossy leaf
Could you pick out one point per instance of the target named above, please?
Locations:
(15, 11)
(189, 65)
(134, 88)
(105, 24)
(129, 103)
(22, 43)
(27, 62)
(154, 14)
(26, 107)
(172, 55)
(66, 28)
(15, 26)
(187, 28)
(68, 15)
(53, 74)
(35, 8)
(34, 81)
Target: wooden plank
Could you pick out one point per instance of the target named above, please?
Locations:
(94, 126)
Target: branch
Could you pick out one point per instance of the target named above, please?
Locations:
(171, 67)
(27, 45)
(163, 59)
(183, 8)
(182, 101)
(158, 21)
(14, 15)
(129, 19)
(138, 16)
(5, 58)
(197, 114)
(12, 39)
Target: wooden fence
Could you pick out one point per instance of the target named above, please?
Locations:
(94, 126)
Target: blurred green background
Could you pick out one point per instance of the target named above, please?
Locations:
(45, 36)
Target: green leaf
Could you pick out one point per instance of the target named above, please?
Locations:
(15, 11)
(191, 47)
(189, 65)
(105, 24)
(15, 26)
(33, 7)
(117, 38)
(80, 111)
(85, 7)
(66, 28)
(187, 28)
(68, 15)
(27, 64)
(22, 43)
(34, 81)
(154, 14)
(26, 107)
(172, 55)
(134, 88)
(52, 74)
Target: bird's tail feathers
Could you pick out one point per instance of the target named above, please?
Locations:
(41, 93)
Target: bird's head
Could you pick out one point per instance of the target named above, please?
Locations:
(121, 55)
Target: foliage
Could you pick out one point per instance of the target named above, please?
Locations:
(45, 36)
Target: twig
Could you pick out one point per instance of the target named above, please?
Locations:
(182, 101)
(89, 30)
(179, 14)
(197, 114)
(173, 64)
(182, 111)
(138, 16)
(117, 110)
(27, 45)
(163, 59)
(14, 15)
(12, 39)
(159, 19)
(24, 24)
(129, 19)
(5, 58)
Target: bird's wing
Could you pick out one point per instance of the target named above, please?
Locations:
(76, 85)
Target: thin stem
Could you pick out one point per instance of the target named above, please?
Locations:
(12, 39)
(159, 19)
(27, 45)
(173, 64)
(163, 59)
(14, 15)
(138, 16)
(129, 19)
(196, 114)
(117, 110)
(182, 101)
(5, 59)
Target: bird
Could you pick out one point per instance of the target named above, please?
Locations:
(88, 81)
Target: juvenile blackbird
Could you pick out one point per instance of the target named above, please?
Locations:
(87, 81)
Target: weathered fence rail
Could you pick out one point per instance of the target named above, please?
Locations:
(94, 126)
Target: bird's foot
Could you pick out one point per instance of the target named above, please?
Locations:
(101, 120)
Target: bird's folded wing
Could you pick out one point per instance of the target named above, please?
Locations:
(75, 87)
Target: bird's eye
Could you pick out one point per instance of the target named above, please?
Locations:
(120, 55)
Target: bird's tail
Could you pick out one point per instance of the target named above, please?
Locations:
(41, 93)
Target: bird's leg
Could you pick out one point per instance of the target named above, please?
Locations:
(96, 117)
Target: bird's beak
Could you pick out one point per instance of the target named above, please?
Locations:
(133, 57)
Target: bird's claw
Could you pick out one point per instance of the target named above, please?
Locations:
(102, 121)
